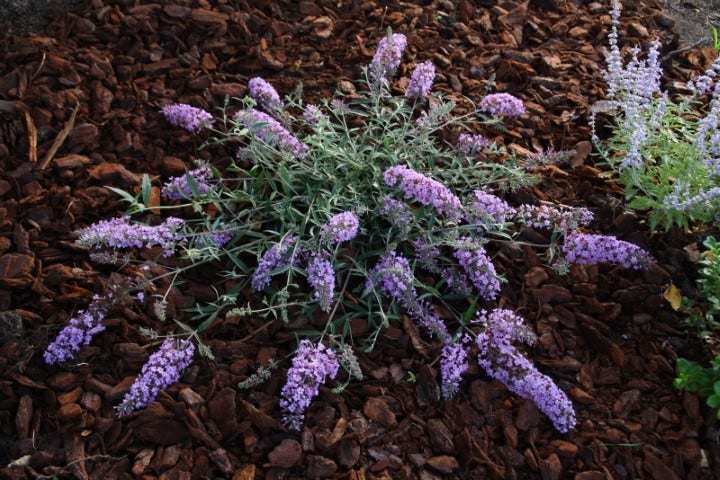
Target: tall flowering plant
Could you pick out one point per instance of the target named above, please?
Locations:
(665, 152)
(335, 211)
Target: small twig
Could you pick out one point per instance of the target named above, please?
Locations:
(258, 330)
(84, 459)
(40, 67)
(32, 137)
(60, 138)
(670, 55)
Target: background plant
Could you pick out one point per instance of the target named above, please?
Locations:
(329, 212)
(664, 151)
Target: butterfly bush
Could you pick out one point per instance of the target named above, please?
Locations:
(387, 57)
(265, 94)
(584, 249)
(665, 152)
(423, 189)
(470, 144)
(503, 104)
(164, 368)
(421, 80)
(120, 233)
(282, 225)
(190, 118)
(503, 361)
(79, 331)
(312, 365)
(178, 188)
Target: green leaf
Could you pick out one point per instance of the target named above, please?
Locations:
(146, 189)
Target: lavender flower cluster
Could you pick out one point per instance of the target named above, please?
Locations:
(479, 268)
(313, 115)
(503, 361)
(424, 190)
(398, 214)
(311, 366)
(119, 233)
(178, 188)
(393, 276)
(558, 218)
(79, 331)
(484, 208)
(269, 130)
(164, 368)
(470, 144)
(278, 256)
(321, 276)
(584, 249)
(387, 57)
(190, 118)
(421, 81)
(265, 95)
(453, 364)
(502, 104)
(340, 228)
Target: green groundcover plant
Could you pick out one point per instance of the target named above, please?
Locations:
(665, 152)
(368, 206)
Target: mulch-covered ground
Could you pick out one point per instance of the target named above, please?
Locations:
(79, 111)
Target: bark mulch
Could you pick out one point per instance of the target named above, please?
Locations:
(79, 110)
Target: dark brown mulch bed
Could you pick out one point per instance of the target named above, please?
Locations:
(79, 104)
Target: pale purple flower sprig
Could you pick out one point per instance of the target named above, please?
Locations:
(427, 255)
(164, 368)
(79, 331)
(265, 94)
(178, 188)
(503, 361)
(278, 256)
(550, 217)
(453, 364)
(190, 118)
(313, 115)
(340, 228)
(484, 207)
(421, 80)
(269, 130)
(470, 144)
(120, 233)
(312, 365)
(398, 214)
(393, 277)
(479, 268)
(321, 276)
(502, 104)
(585, 249)
(424, 190)
(387, 57)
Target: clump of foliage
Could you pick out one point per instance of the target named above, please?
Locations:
(334, 211)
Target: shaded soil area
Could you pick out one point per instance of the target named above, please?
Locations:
(79, 111)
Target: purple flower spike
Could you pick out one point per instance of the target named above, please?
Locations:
(265, 95)
(119, 233)
(584, 249)
(273, 259)
(340, 228)
(453, 363)
(470, 144)
(387, 57)
(503, 104)
(503, 361)
(311, 366)
(321, 276)
(484, 207)
(188, 117)
(421, 80)
(177, 188)
(164, 368)
(480, 270)
(78, 332)
(424, 190)
(269, 130)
